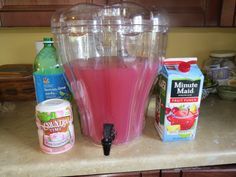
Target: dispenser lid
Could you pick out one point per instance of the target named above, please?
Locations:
(222, 53)
(56, 20)
(93, 17)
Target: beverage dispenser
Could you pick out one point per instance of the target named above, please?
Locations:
(111, 56)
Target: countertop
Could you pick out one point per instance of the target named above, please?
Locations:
(20, 155)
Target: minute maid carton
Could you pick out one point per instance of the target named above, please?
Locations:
(180, 85)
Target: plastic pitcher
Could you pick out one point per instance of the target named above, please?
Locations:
(111, 56)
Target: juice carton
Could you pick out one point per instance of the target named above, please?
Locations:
(180, 85)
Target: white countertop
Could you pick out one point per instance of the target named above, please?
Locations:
(215, 143)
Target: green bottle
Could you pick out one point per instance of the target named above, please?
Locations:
(49, 77)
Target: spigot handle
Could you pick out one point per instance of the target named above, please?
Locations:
(108, 137)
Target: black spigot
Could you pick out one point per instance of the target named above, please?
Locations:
(108, 137)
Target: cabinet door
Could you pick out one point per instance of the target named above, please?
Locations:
(154, 173)
(187, 12)
(209, 174)
(215, 171)
(235, 18)
(131, 174)
(182, 13)
(228, 13)
(34, 12)
(113, 1)
(171, 173)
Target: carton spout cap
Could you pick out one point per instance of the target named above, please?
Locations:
(184, 67)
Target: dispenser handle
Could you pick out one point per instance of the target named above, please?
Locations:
(108, 137)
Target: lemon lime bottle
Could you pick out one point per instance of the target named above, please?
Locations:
(49, 77)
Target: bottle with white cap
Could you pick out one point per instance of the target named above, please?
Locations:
(54, 119)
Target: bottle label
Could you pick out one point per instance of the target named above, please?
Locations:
(51, 86)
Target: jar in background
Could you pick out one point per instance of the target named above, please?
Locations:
(221, 66)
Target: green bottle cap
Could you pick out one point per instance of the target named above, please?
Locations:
(47, 40)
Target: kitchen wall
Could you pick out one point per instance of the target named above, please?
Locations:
(17, 44)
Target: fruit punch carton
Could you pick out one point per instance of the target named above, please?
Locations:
(180, 85)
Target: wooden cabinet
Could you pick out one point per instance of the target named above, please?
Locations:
(171, 173)
(210, 171)
(194, 13)
(228, 13)
(154, 173)
(187, 12)
(130, 174)
(25, 13)
(214, 171)
(162, 173)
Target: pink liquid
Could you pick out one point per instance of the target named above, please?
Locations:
(112, 90)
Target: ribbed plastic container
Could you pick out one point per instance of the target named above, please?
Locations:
(111, 55)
